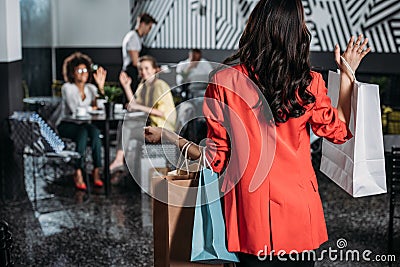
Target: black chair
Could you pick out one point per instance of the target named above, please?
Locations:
(394, 171)
(32, 137)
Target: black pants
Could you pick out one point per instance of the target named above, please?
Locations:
(80, 133)
(247, 260)
(134, 74)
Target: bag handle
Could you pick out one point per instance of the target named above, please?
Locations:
(206, 163)
(349, 68)
(185, 149)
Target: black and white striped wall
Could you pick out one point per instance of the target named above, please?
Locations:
(211, 24)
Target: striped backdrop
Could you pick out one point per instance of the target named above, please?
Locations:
(218, 24)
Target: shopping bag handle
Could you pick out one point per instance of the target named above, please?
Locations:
(349, 68)
(206, 163)
(185, 149)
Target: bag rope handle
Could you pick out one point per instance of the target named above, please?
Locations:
(185, 149)
(206, 163)
(348, 67)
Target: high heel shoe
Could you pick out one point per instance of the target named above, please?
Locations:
(81, 186)
(98, 183)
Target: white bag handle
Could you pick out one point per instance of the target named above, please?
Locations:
(185, 149)
(206, 163)
(349, 68)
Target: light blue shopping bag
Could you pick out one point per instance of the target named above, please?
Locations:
(208, 241)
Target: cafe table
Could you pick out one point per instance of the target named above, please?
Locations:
(100, 117)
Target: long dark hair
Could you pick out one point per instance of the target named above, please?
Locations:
(275, 50)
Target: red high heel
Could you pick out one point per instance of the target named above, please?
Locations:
(78, 183)
(98, 183)
(81, 186)
(96, 178)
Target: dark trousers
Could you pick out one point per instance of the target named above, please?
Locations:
(247, 260)
(80, 134)
(134, 74)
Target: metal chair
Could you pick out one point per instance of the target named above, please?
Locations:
(394, 170)
(32, 137)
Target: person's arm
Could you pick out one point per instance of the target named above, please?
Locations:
(69, 97)
(217, 144)
(158, 134)
(134, 55)
(353, 54)
(126, 82)
(133, 105)
(94, 92)
(182, 71)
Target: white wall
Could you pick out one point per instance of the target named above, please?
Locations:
(10, 31)
(90, 23)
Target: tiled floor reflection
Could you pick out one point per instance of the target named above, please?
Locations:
(73, 229)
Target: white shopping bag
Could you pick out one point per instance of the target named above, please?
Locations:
(358, 166)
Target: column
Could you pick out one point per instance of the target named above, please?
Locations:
(11, 93)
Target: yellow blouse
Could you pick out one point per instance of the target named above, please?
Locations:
(158, 95)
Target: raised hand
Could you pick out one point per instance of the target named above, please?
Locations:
(354, 53)
(125, 80)
(100, 78)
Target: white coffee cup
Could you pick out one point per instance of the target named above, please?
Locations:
(118, 108)
(100, 103)
(81, 111)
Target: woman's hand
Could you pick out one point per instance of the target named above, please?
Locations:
(100, 78)
(156, 134)
(153, 134)
(125, 80)
(354, 53)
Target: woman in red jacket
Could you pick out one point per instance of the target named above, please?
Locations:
(272, 204)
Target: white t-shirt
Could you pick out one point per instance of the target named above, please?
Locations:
(131, 42)
(199, 73)
(71, 97)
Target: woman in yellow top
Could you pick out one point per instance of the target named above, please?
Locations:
(153, 97)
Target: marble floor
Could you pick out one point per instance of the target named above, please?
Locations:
(70, 228)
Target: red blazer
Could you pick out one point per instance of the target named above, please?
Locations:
(271, 192)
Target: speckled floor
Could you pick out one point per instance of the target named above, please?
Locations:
(71, 229)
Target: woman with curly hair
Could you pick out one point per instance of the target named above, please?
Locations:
(78, 92)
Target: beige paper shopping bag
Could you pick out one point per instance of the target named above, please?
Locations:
(173, 223)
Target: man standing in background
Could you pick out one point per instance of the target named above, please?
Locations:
(195, 65)
(132, 45)
(192, 74)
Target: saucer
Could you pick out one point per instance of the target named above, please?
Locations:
(86, 116)
(96, 112)
(120, 111)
